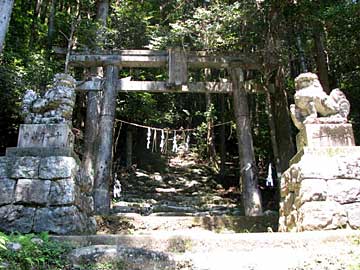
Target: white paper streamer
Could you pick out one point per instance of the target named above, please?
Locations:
(117, 187)
(148, 138)
(269, 179)
(162, 142)
(187, 142)
(175, 147)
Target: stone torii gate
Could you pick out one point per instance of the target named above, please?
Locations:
(178, 61)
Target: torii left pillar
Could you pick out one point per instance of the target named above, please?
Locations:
(105, 141)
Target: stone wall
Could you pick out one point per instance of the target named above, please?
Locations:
(43, 194)
(321, 189)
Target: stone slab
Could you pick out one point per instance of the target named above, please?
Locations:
(312, 190)
(16, 218)
(318, 167)
(325, 135)
(325, 152)
(45, 135)
(62, 192)
(57, 167)
(353, 213)
(63, 220)
(24, 167)
(40, 152)
(344, 191)
(85, 203)
(7, 191)
(324, 215)
(3, 167)
(31, 191)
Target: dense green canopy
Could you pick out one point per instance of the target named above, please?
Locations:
(319, 36)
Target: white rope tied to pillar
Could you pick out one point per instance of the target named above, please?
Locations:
(175, 147)
(148, 138)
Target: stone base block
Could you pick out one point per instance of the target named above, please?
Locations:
(40, 152)
(16, 218)
(353, 213)
(322, 215)
(63, 220)
(45, 135)
(55, 220)
(321, 191)
(318, 153)
(7, 191)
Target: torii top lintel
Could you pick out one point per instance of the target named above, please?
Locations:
(160, 58)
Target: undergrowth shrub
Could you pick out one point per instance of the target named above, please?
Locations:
(37, 252)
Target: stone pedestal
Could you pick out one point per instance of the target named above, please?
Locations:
(45, 135)
(325, 135)
(321, 189)
(40, 188)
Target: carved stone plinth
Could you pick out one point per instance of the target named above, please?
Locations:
(325, 135)
(45, 135)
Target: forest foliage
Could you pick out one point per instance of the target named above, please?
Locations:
(300, 35)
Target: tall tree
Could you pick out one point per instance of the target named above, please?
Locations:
(104, 155)
(93, 106)
(5, 11)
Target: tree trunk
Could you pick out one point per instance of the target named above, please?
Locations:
(102, 11)
(210, 137)
(93, 107)
(210, 130)
(248, 177)
(51, 24)
(5, 11)
(303, 67)
(129, 148)
(280, 113)
(222, 138)
(106, 130)
(321, 62)
(273, 136)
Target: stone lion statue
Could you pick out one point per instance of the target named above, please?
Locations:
(56, 106)
(314, 106)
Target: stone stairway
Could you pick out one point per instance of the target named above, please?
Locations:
(185, 197)
(182, 219)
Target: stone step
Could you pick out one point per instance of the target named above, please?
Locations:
(172, 207)
(210, 251)
(137, 224)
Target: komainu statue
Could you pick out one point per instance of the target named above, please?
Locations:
(55, 107)
(314, 106)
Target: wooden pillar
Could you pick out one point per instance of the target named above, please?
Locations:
(248, 178)
(177, 67)
(106, 129)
